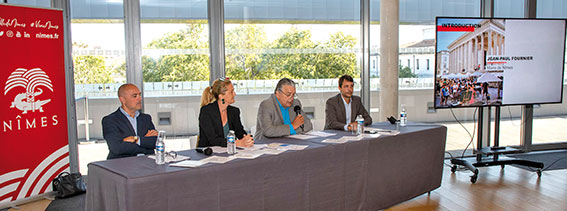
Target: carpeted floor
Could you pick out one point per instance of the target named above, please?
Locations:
(552, 160)
(72, 203)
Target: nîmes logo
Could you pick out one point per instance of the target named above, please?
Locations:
(31, 80)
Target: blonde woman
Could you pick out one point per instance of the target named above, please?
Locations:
(217, 116)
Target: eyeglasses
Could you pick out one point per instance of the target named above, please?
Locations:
(288, 95)
(224, 78)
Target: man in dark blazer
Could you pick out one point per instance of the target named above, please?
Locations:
(337, 107)
(127, 131)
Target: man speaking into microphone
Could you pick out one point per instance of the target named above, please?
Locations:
(281, 114)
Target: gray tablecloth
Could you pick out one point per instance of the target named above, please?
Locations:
(370, 174)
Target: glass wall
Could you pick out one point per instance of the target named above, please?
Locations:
(175, 42)
(551, 9)
(510, 116)
(549, 118)
(97, 31)
(417, 64)
(98, 48)
(508, 9)
(38, 3)
(175, 62)
(312, 42)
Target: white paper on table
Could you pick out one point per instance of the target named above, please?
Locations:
(335, 141)
(299, 147)
(217, 159)
(352, 138)
(292, 147)
(169, 159)
(188, 163)
(274, 145)
(376, 135)
(389, 132)
(218, 149)
(255, 147)
(320, 134)
(248, 154)
(270, 151)
(372, 129)
(302, 136)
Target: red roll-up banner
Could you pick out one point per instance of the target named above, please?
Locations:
(33, 114)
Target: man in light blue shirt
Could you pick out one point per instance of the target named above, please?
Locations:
(277, 114)
(127, 131)
(133, 122)
(285, 116)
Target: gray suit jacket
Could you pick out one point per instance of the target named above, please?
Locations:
(335, 114)
(270, 121)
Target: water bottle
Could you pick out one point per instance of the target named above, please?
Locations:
(403, 116)
(160, 148)
(230, 143)
(360, 126)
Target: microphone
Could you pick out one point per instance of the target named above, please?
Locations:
(392, 120)
(297, 110)
(205, 150)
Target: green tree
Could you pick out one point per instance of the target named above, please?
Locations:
(334, 65)
(177, 65)
(321, 60)
(405, 72)
(150, 70)
(91, 69)
(250, 56)
(291, 63)
(244, 59)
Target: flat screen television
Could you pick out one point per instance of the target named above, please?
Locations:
(498, 61)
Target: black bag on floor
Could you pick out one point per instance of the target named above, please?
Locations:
(66, 184)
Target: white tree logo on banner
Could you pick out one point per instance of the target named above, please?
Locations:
(30, 80)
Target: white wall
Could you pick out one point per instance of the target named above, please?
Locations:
(185, 110)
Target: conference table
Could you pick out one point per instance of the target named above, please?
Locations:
(368, 174)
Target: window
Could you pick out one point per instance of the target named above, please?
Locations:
(548, 116)
(40, 3)
(175, 62)
(510, 121)
(311, 42)
(417, 64)
(508, 9)
(99, 58)
(417, 43)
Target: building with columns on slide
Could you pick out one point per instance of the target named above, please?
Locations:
(468, 52)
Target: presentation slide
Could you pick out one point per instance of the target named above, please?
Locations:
(533, 72)
(484, 62)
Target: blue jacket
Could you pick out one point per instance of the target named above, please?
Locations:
(116, 127)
